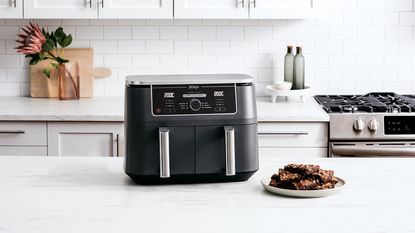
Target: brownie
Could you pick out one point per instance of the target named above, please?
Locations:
(303, 177)
(302, 169)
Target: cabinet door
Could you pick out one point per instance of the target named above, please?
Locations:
(11, 8)
(211, 9)
(286, 9)
(85, 139)
(158, 9)
(61, 9)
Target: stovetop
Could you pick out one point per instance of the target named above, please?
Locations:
(382, 102)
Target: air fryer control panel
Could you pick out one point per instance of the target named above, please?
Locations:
(193, 99)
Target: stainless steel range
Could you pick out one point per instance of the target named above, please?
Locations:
(376, 124)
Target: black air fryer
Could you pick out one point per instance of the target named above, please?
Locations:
(190, 128)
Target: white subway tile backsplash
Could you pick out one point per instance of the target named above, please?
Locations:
(131, 47)
(258, 33)
(104, 46)
(117, 61)
(9, 61)
(399, 5)
(117, 32)
(159, 47)
(202, 61)
(230, 61)
(146, 32)
(173, 61)
(202, 33)
(230, 33)
(216, 47)
(173, 33)
(89, 32)
(146, 61)
(188, 47)
(398, 33)
(2, 46)
(244, 47)
(357, 44)
(3, 76)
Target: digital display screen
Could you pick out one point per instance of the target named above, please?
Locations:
(399, 125)
(194, 99)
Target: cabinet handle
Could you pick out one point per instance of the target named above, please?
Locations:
(12, 132)
(102, 3)
(161, 3)
(118, 145)
(14, 3)
(89, 3)
(241, 3)
(283, 133)
(253, 2)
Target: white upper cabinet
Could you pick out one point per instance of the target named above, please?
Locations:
(11, 9)
(211, 9)
(146, 9)
(285, 9)
(60, 9)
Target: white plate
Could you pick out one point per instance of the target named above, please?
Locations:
(303, 193)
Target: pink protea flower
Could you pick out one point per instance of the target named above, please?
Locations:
(32, 40)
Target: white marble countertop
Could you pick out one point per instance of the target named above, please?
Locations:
(290, 111)
(112, 109)
(57, 194)
(49, 109)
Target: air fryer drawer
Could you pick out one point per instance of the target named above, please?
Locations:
(211, 154)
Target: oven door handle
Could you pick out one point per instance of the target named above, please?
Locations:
(360, 151)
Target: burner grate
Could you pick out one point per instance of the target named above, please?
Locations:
(371, 103)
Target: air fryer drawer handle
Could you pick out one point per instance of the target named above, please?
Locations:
(230, 150)
(367, 152)
(164, 153)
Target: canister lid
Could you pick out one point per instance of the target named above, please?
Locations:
(187, 79)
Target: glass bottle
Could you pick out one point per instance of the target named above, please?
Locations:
(289, 65)
(68, 81)
(299, 70)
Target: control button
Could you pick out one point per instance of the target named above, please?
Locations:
(373, 125)
(195, 105)
(358, 125)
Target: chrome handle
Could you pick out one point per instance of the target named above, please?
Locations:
(360, 151)
(284, 133)
(101, 2)
(15, 3)
(230, 150)
(12, 132)
(88, 3)
(240, 3)
(253, 3)
(118, 145)
(164, 153)
(161, 3)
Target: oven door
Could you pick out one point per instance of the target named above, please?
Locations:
(373, 149)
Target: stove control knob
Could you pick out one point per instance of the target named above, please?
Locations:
(358, 125)
(195, 105)
(373, 125)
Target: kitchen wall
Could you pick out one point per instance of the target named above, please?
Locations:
(359, 46)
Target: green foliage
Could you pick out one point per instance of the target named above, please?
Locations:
(54, 40)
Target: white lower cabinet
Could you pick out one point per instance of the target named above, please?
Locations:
(85, 139)
(23, 138)
(293, 140)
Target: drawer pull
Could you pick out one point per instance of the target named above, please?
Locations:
(12, 132)
(283, 133)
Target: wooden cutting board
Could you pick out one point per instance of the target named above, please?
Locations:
(41, 86)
